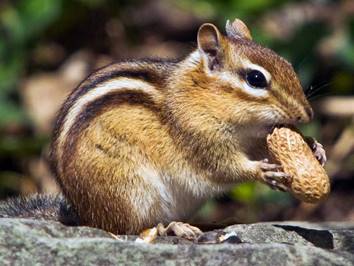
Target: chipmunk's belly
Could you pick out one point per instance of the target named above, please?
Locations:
(179, 195)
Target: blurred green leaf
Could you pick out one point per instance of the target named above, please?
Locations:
(10, 113)
(229, 9)
(21, 146)
(93, 3)
(266, 195)
(9, 182)
(343, 82)
(28, 18)
(10, 70)
(244, 192)
(36, 15)
(207, 209)
(312, 129)
(20, 24)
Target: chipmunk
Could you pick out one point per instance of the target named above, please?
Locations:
(146, 142)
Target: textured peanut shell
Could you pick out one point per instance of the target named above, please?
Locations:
(310, 181)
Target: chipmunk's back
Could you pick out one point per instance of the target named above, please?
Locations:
(122, 81)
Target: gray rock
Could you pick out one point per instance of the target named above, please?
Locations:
(34, 242)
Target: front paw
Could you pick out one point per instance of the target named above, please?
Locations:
(318, 151)
(273, 176)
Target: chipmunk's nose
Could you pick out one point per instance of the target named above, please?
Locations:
(307, 117)
(309, 112)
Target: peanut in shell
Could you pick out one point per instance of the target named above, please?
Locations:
(310, 182)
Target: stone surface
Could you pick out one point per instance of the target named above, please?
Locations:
(30, 242)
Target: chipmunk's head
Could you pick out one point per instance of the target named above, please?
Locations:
(253, 80)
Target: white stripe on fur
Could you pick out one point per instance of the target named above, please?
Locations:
(93, 95)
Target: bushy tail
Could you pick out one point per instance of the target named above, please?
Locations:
(40, 206)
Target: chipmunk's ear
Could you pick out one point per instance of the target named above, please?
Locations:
(237, 30)
(209, 43)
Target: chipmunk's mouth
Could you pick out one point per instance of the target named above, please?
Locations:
(269, 128)
(261, 132)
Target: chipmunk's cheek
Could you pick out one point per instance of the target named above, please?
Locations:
(259, 94)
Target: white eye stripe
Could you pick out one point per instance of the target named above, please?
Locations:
(233, 79)
(236, 82)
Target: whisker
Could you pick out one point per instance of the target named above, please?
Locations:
(312, 91)
(309, 89)
(315, 97)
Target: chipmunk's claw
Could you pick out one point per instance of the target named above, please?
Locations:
(319, 152)
(179, 229)
(274, 177)
(266, 166)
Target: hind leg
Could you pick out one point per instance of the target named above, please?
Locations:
(179, 229)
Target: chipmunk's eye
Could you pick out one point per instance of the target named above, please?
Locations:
(256, 79)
